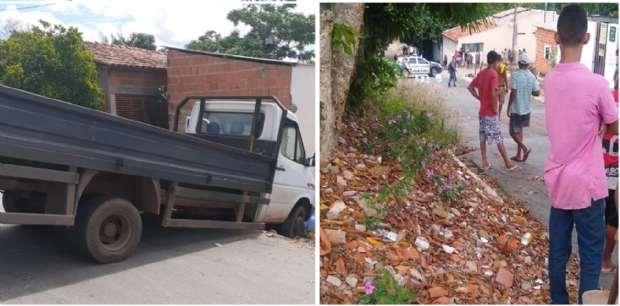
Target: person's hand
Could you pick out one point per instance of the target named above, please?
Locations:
(602, 129)
(508, 112)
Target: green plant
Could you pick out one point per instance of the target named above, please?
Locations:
(367, 146)
(386, 291)
(162, 94)
(345, 36)
(374, 77)
(370, 223)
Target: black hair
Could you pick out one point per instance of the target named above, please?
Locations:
(572, 25)
(492, 56)
(523, 66)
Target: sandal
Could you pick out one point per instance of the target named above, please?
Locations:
(608, 270)
(487, 168)
(517, 159)
(514, 168)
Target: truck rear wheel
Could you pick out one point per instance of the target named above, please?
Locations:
(294, 226)
(108, 229)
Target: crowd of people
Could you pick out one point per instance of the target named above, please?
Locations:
(581, 116)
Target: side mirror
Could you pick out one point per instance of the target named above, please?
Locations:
(310, 161)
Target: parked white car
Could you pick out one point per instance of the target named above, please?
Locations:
(416, 65)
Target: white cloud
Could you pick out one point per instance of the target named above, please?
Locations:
(173, 23)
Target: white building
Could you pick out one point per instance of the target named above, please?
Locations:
(497, 34)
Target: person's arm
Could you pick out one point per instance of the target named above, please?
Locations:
(494, 93)
(513, 96)
(536, 89)
(472, 88)
(608, 110)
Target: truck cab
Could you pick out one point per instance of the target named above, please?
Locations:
(293, 183)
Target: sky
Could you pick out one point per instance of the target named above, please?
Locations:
(173, 23)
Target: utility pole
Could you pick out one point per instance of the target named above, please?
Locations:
(514, 31)
(545, 19)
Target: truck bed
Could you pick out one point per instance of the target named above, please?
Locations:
(40, 129)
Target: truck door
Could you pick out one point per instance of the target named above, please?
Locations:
(290, 179)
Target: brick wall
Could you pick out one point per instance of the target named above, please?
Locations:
(136, 77)
(201, 74)
(544, 36)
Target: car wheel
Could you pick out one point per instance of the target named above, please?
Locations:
(433, 72)
(294, 226)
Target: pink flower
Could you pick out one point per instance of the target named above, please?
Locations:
(382, 206)
(448, 185)
(376, 187)
(423, 164)
(399, 160)
(451, 176)
(466, 182)
(391, 121)
(417, 141)
(389, 144)
(430, 173)
(369, 288)
(430, 145)
(365, 140)
(428, 114)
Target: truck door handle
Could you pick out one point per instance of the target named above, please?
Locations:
(280, 168)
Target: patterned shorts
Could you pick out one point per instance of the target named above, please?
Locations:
(490, 130)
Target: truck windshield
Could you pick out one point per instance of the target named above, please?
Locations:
(232, 123)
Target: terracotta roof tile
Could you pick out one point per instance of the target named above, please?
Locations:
(456, 33)
(123, 56)
(501, 19)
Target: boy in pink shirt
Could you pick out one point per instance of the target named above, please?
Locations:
(576, 101)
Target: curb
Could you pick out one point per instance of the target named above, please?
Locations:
(485, 187)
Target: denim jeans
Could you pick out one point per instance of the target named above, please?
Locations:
(452, 78)
(590, 224)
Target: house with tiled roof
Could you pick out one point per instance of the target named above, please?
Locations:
(497, 33)
(130, 79)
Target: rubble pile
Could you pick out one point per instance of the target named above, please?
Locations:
(481, 249)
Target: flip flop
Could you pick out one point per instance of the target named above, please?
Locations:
(526, 155)
(608, 270)
(515, 168)
(487, 168)
(516, 159)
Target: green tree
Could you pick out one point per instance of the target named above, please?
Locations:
(51, 61)
(605, 9)
(136, 40)
(276, 33)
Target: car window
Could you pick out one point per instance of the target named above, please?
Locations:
(292, 146)
(231, 123)
(422, 61)
(412, 60)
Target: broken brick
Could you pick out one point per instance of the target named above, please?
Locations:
(436, 292)
(504, 278)
(340, 268)
(442, 301)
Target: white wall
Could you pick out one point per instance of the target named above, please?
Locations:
(449, 47)
(302, 90)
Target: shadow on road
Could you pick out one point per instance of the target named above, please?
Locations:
(40, 258)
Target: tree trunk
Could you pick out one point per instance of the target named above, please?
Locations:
(337, 70)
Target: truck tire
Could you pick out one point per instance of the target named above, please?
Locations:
(108, 229)
(294, 226)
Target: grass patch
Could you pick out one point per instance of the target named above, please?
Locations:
(420, 97)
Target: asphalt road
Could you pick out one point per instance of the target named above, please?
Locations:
(521, 184)
(170, 266)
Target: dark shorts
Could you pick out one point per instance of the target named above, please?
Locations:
(490, 130)
(517, 122)
(611, 214)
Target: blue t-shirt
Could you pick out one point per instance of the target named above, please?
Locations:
(525, 83)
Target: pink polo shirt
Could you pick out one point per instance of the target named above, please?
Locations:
(575, 102)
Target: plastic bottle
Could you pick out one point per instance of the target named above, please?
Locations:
(526, 239)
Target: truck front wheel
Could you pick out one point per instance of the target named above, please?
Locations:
(108, 229)
(294, 226)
